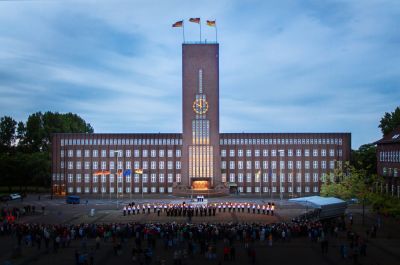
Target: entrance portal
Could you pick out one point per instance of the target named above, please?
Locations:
(200, 185)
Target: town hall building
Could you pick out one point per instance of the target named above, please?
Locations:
(201, 159)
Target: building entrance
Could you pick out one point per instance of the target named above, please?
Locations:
(200, 185)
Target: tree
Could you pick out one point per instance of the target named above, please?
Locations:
(29, 163)
(36, 134)
(356, 183)
(390, 121)
(7, 132)
(365, 158)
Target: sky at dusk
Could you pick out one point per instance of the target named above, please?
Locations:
(285, 66)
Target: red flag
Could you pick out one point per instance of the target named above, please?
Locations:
(195, 20)
(177, 24)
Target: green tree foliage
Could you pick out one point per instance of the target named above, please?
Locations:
(27, 161)
(39, 127)
(350, 183)
(365, 158)
(7, 133)
(390, 121)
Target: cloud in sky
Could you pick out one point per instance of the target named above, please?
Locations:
(292, 66)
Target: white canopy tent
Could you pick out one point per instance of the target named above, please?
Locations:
(328, 206)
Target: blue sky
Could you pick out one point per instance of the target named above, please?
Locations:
(285, 66)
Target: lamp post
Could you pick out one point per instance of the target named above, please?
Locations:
(280, 173)
(258, 174)
(116, 174)
(140, 173)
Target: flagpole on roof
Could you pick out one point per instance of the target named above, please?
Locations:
(216, 33)
(200, 31)
(183, 30)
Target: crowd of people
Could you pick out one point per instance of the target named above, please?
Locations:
(181, 240)
(12, 214)
(197, 209)
(184, 240)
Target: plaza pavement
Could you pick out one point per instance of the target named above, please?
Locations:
(385, 249)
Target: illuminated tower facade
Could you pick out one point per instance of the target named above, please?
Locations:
(201, 159)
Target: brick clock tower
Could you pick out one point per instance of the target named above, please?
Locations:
(201, 161)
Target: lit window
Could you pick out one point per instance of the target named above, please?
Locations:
(298, 152)
(248, 164)
(315, 152)
(169, 165)
(223, 164)
(240, 177)
(153, 153)
(136, 153)
(248, 153)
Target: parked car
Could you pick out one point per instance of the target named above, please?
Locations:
(15, 196)
(4, 198)
(72, 199)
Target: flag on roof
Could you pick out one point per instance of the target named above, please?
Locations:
(211, 23)
(177, 24)
(195, 20)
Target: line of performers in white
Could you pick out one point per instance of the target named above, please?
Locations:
(182, 209)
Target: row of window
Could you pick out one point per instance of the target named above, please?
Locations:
(161, 178)
(274, 189)
(390, 172)
(337, 141)
(120, 153)
(281, 153)
(123, 141)
(94, 189)
(282, 164)
(127, 179)
(120, 189)
(169, 141)
(389, 156)
(128, 165)
(282, 177)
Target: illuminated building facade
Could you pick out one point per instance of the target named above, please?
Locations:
(200, 160)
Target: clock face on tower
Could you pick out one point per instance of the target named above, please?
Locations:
(200, 106)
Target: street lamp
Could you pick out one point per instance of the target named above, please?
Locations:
(116, 174)
(280, 173)
(258, 174)
(140, 172)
